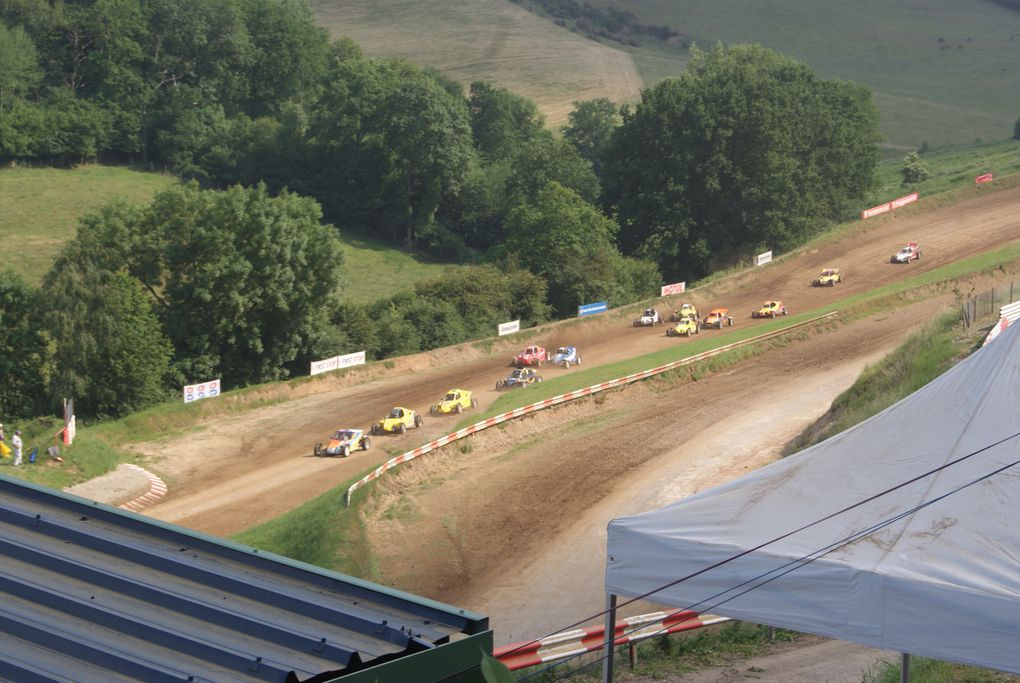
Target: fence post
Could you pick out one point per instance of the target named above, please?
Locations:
(632, 654)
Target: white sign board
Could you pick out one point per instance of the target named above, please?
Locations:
(196, 392)
(336, 362)
(675, 288)
(509, 328)
(351, 359)
(762, 259)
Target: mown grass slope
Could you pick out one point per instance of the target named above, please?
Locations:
(494, 40)
(943, 71)
(40, 209)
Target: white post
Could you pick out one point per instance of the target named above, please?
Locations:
(608, 649)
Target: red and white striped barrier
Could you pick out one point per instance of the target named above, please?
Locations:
(1007, 316)
(562, 398)
(157, 489)
(583, 640)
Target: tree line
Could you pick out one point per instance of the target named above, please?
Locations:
(289, 137)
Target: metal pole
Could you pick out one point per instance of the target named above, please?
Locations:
(904, 667)
(610, 637)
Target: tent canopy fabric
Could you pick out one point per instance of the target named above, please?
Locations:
(931, 568)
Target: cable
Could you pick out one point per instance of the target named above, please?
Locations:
(748, 551)
(776, 539)
(796, 563)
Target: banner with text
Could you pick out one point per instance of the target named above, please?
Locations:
(196, 392)
(875, 210)
(903, 201)
(509, 328)
(762, 259)
(337, 362)
(592, 309)
(675, 288)
(984, 178)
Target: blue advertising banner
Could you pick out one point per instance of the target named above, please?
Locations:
(592, 309)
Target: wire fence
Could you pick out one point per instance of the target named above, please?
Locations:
(987, 303)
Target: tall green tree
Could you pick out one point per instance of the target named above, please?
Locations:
(19, 64)
(501, 121)
(109, 352)
(567, 242)
(24, 349)
(747, 149)
(590, 129)
(243, 281)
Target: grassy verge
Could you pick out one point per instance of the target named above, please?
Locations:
(924, 670)
(858, 305)
(669, 656)
(922, 358)
(321, 532)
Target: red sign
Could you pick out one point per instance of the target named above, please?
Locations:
(986, 178)
(875, 210)
(675, 288)
(902, 201)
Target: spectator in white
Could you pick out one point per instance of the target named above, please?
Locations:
(16, 443)
(1, 431)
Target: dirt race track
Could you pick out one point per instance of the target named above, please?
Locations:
(523, 515)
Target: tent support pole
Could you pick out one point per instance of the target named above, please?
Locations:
(610, 637)
(904, 667)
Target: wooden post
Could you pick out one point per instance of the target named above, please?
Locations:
(632, 654)
(904, 667)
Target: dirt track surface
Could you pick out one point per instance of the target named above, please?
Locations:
(237, 472)
(516, 527)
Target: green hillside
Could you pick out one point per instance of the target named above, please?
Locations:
(40, 208)
(943, 71)
(493, 40)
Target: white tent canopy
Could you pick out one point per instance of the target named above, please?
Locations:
(942, 580)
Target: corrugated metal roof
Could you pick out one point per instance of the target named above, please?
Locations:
(90, 593)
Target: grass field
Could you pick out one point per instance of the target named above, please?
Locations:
(492, 40)
(40, 208)
(942, 71)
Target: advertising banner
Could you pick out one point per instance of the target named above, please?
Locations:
(196, 392)
(337, 362)
(903, 201)
(592, 309)
(675, 288)
(509, 328)
(351, 359)
(762, 259)
(984, 178)
(875, 210)
(69, 421)
(321, 366)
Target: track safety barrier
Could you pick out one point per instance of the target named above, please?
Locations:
(563, 398)
(1007, 316)
(592, 639)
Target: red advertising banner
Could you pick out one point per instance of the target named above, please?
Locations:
(903, 201)
(675, 288)
(875, 210)
(985, 178)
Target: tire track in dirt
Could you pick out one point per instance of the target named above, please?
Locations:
(238, 471)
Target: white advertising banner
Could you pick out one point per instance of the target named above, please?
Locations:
(320, 366)
(762, 259)
(675, 288)
(509, 328)
(351, 359)
(336, 362)
(196, 392)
